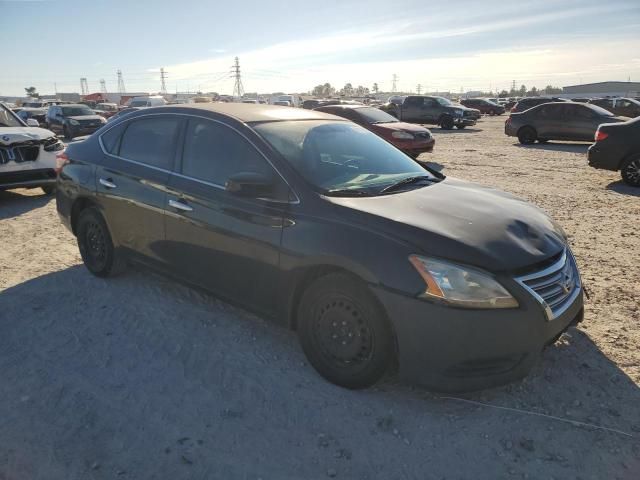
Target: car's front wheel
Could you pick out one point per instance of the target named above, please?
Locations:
(96, 246)
(344, 332)
(630, 171)
(446, 122)
(68, 135)
(527, 135)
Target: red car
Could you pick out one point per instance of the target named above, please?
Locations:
(411, 139)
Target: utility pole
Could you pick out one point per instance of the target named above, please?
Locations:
(121, 88)
(419, 88)
(394, 84)
(238, 89)
(103, 86)
(163, 84)
(84, 87)
(55, 88)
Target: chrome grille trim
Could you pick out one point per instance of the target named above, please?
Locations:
(555, 287)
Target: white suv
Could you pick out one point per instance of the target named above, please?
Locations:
(27, 154)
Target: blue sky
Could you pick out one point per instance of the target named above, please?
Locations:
(293, 46)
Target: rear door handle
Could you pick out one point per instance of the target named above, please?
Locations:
(178, 205)
(108, 183)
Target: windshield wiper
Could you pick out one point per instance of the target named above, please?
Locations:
(347, 192)
(406, 181)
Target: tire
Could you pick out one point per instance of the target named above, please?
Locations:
(49, 189)
(461, 127)
(630, 171)
(344, 332)
(446, 122)
(96, 246)
(492, 113)
(527, 135)
(67, 133)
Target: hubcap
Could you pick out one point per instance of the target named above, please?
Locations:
(632, 171)
(342, 333)
(95, 242)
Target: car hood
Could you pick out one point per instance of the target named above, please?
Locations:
(400, 126)
(10, 135)
(464, 222)
(86, 117)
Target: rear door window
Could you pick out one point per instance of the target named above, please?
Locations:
(414, 101)
(151, 141)
(213, 152)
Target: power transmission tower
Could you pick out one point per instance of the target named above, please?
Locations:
(419, 88)
(84, 87)
(395, 83)
(238, 89)
(513, 85)
(103, 86)
(163, 84)
(121, 88)
(55, 88)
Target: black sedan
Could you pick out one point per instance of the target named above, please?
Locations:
(320, 224)
(558, 121)
(617, 148)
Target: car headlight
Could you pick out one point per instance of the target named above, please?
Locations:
(460, 286)
(103, 120)
(402, 135)
(73, 122)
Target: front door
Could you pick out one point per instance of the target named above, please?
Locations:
(214, 238)
(131, 182)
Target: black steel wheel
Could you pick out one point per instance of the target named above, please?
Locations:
(527, 135)
(630, 171)
(96, 246)
(344, 332)
(446, 122)
(67, 133)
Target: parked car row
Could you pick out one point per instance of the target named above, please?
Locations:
(311, 219)
(432, 111)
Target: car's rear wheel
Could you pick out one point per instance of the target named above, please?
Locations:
(630, 171)
(344, 332)
(446, 122)
(96, 246)
(492, 113)
(48, 189)
(527, 135)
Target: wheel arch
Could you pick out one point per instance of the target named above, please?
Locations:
(79, 205)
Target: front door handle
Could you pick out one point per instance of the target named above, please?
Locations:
(178, 205)
(107, 183)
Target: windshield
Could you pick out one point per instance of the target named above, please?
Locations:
(600, 110)
(76, 111)
(8, 119)
(340, 157)
(443, 101)
(375, 115)
(139, 103)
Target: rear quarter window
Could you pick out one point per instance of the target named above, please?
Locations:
(111, 139)
(151, 141)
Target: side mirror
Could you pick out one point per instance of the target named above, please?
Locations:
(249, 184)
(32, 122)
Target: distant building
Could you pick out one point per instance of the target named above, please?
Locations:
(602, 89)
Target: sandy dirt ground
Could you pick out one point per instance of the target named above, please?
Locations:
(139, 377)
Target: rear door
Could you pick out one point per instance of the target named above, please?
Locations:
(549, 121)
(131, 182)
(581, 122)
(214, 238)
(413, 109)
(431, 111)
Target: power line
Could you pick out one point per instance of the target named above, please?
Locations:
(163, 77)
(121, 88)
(238, 89)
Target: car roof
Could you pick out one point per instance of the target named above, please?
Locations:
(250, 112)
(344, 106)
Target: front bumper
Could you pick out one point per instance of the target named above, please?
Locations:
(79, 130)
(452, 349)
(413, 149)
(466, 121)
(27, 178)
(599, 158)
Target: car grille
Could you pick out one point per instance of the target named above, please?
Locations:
(89, 123)
(555, 287)
(19, 154)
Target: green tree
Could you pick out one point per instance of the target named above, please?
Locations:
(31, 92)
(550, 90)
(503, 94)
(533, 92)
(523, 91)
(347, 90)
(375, 88)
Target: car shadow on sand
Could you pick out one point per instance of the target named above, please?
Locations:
(453, 130)
(111, 372)
(620, 187)
(14, 203)
(557, 147)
